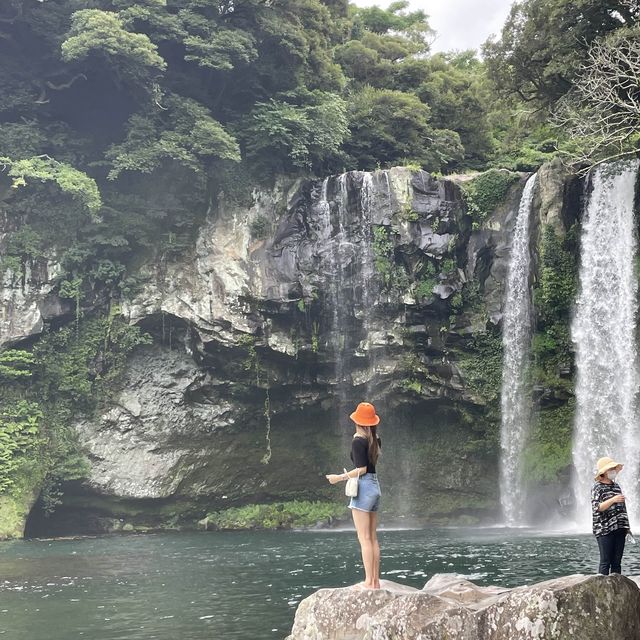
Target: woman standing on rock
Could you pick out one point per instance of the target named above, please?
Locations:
(610, 519)
(365, 449)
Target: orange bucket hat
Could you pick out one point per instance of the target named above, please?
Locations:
(365, 415)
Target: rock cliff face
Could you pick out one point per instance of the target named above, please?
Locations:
(449, 606)
(290, 308)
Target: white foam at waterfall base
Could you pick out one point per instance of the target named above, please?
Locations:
(604, 333)
(516, 341)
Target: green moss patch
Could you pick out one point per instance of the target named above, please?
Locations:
(279, 515)
(486, 192)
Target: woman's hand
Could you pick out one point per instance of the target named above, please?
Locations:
(610, 502)
(333, 478)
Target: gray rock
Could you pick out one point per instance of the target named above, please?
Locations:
(151, 440)
(343, 614)
(26, 301)
(577, 606)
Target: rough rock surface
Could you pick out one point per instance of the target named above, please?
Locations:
(27, 301)
(449, 606)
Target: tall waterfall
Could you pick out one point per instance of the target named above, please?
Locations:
(516, 341)
(604, 333)
(344, 238)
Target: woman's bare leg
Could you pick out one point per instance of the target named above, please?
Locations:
(362, 521)
(373, 525)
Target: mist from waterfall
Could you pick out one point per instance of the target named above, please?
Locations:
(604, 333)
(516, 341)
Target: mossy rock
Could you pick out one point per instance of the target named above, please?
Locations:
(16, 503)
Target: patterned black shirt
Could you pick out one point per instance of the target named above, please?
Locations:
(611, 519)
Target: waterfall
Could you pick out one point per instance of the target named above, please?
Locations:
(604, 334)
(344, 213)
(516, 341)
(368, 280)
(330, 240)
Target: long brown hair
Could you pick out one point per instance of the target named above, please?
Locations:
(374, 446)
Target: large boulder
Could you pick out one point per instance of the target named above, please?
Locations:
(576, 606)
(344, 614)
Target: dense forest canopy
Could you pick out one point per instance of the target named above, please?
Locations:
(121, 119)
(103, 100)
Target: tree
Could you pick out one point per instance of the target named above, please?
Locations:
(602, 111)
(103, 33)
(40, 169)
(453, 91)
(544, 42)
(183, 131)
(296, 131)
(413, 26)
(392, 127)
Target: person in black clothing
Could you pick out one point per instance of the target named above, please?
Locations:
(610, 519)
(365, 449)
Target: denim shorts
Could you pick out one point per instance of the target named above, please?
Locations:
(368, 498)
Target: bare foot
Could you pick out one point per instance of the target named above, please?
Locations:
(360, 586)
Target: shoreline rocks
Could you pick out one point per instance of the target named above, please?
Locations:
(584, 607)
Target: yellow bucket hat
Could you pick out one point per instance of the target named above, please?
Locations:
(605, 464)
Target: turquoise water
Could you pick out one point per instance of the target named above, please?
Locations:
(244, 585)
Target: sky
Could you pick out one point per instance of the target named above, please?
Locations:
(460, 24)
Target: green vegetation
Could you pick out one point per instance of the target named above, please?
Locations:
(553, 297)
(564, 93)
(280, 515)
(193, 102)
(412, 385)
(260, 227)
(535, 60)
(384, 258)
(426, 281)
(391, 127)
(549, 451)
(44, 169)
(15, 364)
(19, 428)
(69, 372)
(485, 192)
(407, 214)
(481, 365)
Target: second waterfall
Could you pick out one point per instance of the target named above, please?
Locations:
(516, 341)
(604, 333)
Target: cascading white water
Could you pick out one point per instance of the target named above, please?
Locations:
(516, 341)
(604, 333)
(345, 239)
(330, 240)
(368, 281)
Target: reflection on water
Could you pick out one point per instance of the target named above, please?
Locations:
(244, 585)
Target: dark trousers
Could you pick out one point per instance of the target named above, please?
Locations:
(611, 550)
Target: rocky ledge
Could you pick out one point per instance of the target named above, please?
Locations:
(449, 606)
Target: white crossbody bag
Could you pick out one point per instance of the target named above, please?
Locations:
(351, 488)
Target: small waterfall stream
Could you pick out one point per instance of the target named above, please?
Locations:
(331, 238)
(604, 333)
(516, 340)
